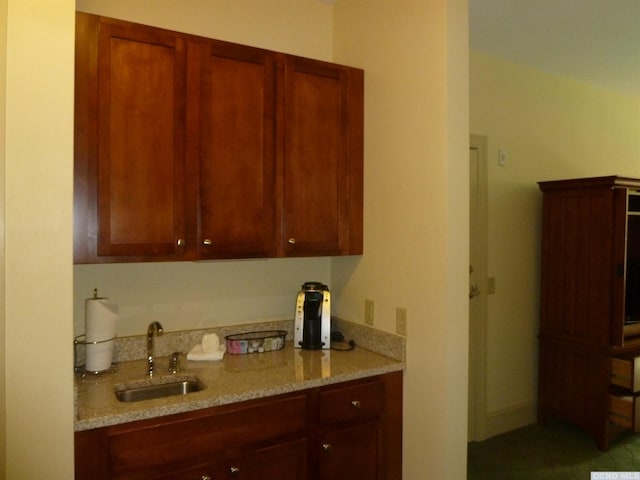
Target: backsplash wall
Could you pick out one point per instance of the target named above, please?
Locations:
(193, 295)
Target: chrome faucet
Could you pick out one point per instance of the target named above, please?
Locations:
(154, 329)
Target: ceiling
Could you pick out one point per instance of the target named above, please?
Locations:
(593, 41)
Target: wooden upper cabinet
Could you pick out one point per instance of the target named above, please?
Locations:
(133, 166)
(190, 148)
(321, 158)
(233, 109)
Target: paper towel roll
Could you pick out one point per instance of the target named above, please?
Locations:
(100, 329)
(100, 319)
(99, 356)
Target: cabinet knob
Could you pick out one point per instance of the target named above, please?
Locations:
(205, 477)
(292, 241)
(234, 471)
(180, 242)
(326, 447)
(355, 403)
(207, 242)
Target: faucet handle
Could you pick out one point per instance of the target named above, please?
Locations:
(174, 362)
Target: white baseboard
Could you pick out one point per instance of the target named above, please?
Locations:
(508, 419)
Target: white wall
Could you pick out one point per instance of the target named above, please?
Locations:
(38, 207)
(551, 128)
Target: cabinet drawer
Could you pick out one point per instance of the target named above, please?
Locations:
(351, 402)
(625, 372)
(623, 410)
(140, 447)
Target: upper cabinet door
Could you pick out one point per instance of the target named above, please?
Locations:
(321, 159)
(233, 109)
(141, 138)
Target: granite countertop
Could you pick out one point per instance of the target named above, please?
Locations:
(234, 379)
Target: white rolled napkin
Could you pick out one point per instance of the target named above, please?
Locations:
(209, 349)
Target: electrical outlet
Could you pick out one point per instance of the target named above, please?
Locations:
(401, 321)
(368, 312)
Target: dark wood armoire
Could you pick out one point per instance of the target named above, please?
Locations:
(590, 305)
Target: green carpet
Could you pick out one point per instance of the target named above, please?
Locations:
(556, 451)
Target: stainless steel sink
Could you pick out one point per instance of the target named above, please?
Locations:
(148, 392)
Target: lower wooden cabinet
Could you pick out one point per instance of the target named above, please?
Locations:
(342, 431)
(352, 451)
(350, 419)
(286, 461)
(197, 472)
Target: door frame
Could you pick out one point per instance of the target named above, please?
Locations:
(478, 326)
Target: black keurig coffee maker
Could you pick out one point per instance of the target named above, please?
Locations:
(313, 317)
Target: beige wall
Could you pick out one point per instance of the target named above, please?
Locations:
(299, 27)
(416, 203)
(3, 358)
(551, 128)
(415, 220)
(38, 208)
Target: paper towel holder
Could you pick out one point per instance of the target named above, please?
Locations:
(79, 356)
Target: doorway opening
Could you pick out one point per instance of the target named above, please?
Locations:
(478, 252)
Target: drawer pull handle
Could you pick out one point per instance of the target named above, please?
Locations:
(207, 242)
(355, 403)
(292, 241)
(234, 471)
(326, 447)
(180, 242)
(205, 477)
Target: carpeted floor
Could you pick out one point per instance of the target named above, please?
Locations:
(557, 451)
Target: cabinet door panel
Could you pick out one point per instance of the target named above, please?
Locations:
(283, 462)
(141, 122)
(351, 452)
(197, 472)
(316, 169)
(236, 158)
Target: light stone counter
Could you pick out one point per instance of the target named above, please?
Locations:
(234, 379)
